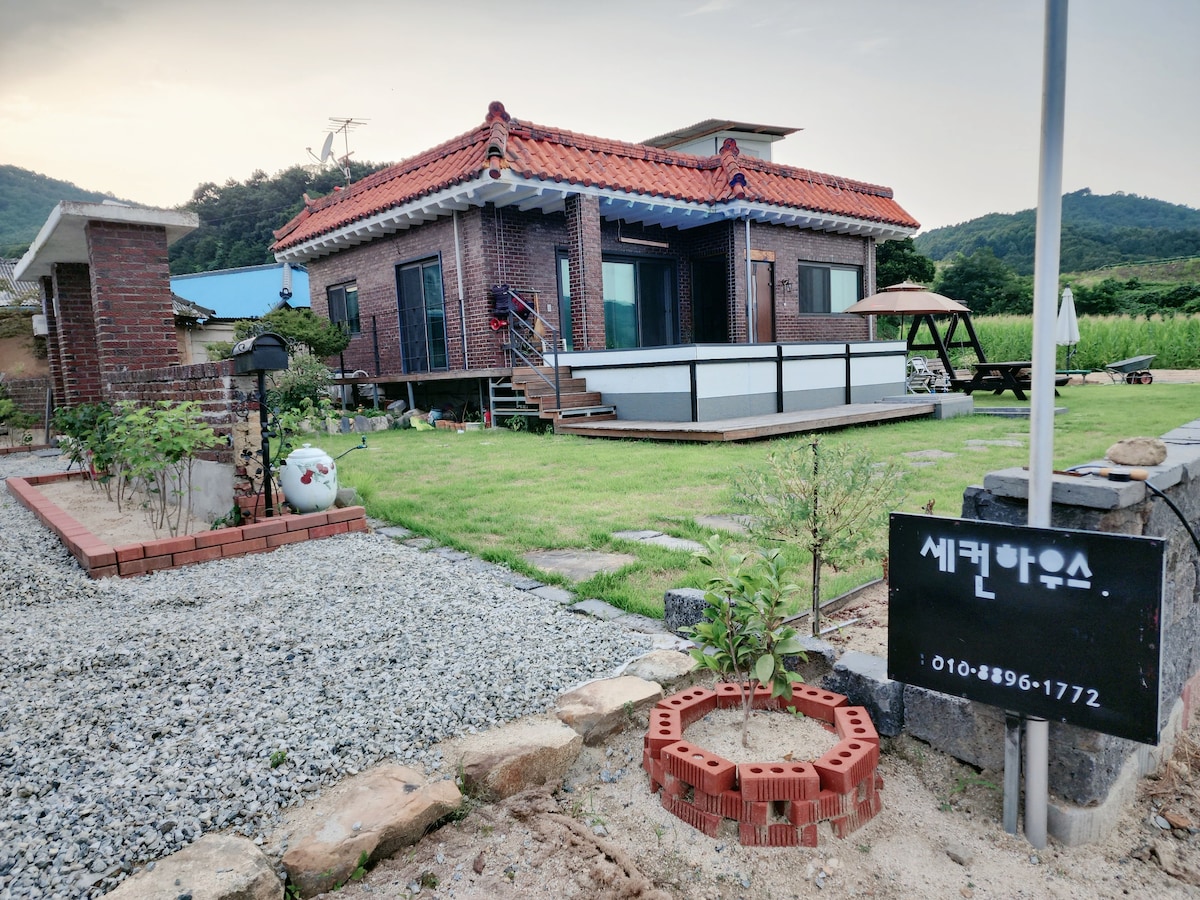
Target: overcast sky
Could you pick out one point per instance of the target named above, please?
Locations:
(938, 99)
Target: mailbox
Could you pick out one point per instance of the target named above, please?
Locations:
(261, 353)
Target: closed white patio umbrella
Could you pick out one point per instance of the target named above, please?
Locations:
(1066, 329)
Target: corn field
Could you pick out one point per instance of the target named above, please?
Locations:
(1173, 340)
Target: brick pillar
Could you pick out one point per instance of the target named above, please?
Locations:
(739, 331)
(75, 334)
(46, 289)
(587, 277)
(131, 291)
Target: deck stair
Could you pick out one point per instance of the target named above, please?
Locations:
(535, 389)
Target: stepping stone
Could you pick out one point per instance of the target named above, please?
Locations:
(420, 543)
(556, 594)
(578, 565)
(451, 555)
(395, 532)
(659, 539)
(674, 543)
(636, 535)
(929, 454)
(732, 524)
(598, 609)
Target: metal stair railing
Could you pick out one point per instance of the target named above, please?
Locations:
(524, 340)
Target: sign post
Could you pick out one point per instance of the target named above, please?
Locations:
(1063, 625)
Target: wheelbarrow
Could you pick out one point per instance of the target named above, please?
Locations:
(1133, 370)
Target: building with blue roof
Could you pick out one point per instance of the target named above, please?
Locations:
(249, 292)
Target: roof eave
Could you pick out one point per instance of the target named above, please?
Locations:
(62, 239)
(550, 196)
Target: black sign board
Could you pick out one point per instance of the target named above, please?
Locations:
(1065, 625)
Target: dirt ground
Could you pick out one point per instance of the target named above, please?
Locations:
(603, 835)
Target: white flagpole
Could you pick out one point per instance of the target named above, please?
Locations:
(1045, 302)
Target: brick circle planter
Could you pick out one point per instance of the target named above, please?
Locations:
(776, 804)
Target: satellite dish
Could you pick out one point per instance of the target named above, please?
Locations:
(327, 148)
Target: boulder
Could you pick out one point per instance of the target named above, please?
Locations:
(522, 754)
(375, 813)
(662, 666)
(1137, 451)
(605, 707)
(216, 867)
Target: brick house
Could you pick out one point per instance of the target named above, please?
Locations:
(631, 255)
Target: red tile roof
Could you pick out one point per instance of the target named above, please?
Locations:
(552, 156)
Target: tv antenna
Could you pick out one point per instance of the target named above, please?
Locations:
(342, 125)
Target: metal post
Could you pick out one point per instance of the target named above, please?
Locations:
(375, 341)
(266, 443)
(1045, 304)
(1037, 782)
(1012, 770)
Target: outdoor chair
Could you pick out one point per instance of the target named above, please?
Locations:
(920, 378)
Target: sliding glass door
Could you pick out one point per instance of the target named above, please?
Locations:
(422, 316)
(641, 307)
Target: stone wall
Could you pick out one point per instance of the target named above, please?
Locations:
(1089, 770)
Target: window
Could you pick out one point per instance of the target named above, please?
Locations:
(343, 305)
(827, 288)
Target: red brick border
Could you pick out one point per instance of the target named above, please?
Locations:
(100, 560)
(703, 789)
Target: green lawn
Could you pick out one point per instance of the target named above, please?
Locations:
(499, 494)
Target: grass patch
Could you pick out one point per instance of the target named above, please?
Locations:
(500, 494)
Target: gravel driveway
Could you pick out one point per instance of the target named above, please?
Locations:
(137, 714)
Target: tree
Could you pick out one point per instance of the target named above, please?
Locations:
(985, 284)
(833, 502)
(299, 327)
(744, 634)
(238, 220)
(897, 261)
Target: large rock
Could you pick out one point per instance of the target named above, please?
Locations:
(216, 867)
(522, 754)
(375, 813)
(601, 708)
(664, 667)
(1137, 451)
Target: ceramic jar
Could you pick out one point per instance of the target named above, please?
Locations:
(309, 479)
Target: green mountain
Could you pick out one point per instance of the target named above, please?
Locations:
(1098, 230)
(26, 199)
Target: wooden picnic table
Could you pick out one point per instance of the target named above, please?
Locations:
(999, 377)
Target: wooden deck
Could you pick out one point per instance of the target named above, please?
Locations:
(748, 428)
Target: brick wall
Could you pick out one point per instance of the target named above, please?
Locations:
(75, 335)
(508, 246)
(53, 354)
(131, 296)
(29, 394)
(223, 398)
(792, 246)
